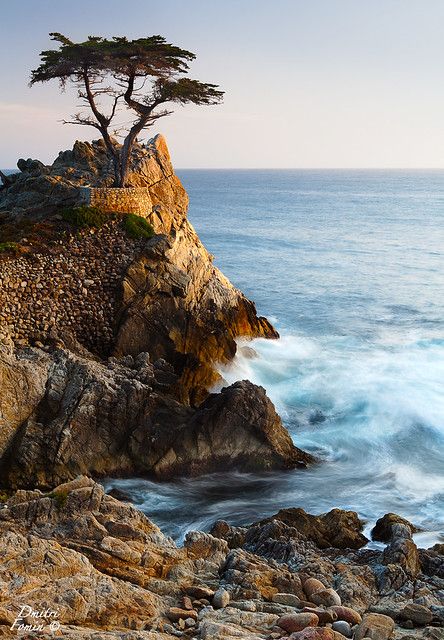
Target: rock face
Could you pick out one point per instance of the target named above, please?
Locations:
(68, 407)
(81, 416)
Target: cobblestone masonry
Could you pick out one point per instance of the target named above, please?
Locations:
(74, 287)
(130, 200)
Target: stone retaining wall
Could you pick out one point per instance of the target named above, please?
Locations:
(129, 200)
(74, 287)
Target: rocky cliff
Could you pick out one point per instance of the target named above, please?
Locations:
(111, 344)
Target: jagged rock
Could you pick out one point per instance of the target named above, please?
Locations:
(375, 626)
(337, 528)
(382, 530)
(402, 550)
(418, 614)
(83, 416)
(238, 427)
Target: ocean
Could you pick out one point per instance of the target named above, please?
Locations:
(348, 265)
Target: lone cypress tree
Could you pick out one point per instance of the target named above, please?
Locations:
(139, 75)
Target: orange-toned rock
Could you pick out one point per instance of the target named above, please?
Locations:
(323, 615)
(347, 614)
(326, 597)
(297, 621)
(311, 585)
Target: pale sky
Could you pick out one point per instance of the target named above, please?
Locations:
(309, 83)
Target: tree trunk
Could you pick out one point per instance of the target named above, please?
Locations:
(127, 148)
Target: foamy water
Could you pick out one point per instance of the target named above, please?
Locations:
(348, 265)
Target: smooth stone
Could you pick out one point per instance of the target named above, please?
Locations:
(343, 627)
(327, 597)
(297, 621)
(347, 614)
(221, 598)
(286, 598)
(311, 585)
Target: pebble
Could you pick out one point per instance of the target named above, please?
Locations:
(286, 598)
(221, 598)
(342, 627)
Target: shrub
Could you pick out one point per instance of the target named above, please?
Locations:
(59, 497)
(9, 247)
(84, 217)
(137, 227)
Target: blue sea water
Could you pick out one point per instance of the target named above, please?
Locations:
(348, 265)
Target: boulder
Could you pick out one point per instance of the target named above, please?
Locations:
(237, 428)
(382, 531)
(297, 621)
(337, 528)
(375, 626)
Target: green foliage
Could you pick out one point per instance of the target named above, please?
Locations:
(141, 76)
(84, 217)
(9, 247)
(3, 497)
(137, 227)
(59, 497)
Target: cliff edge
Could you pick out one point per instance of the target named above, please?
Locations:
(111, 343)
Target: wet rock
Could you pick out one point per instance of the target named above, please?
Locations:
(382, 530)
(237, 428)
(337, 528)
(402, 551)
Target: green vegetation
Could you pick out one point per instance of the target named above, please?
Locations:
(84, 217)
(146, 76)
(137, 227)
(59, 497)
(9, 247)
(3, 497)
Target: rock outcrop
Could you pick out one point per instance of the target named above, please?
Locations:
(127, 336)
(64, 414)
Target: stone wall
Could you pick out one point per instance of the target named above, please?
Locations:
(130, 200)
(74, 287)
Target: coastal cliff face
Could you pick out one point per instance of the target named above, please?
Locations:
(111, 344)
(108, 348)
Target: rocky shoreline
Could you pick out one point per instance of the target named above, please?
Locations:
(109, 346)
(109, 572)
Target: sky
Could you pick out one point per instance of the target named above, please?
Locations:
(309, 83)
